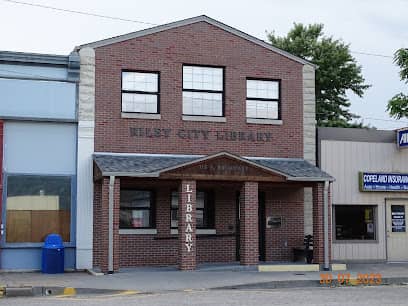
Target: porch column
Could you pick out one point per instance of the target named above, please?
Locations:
(249, 234)
(187, 225)
(321, 237)
(109, 226)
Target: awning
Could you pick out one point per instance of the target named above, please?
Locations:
(222, 164)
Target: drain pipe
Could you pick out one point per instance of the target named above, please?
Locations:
(326, 225)
(110, 226)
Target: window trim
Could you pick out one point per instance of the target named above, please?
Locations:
(279, 100)
(222, 92)
(207, 194)
(152, 210)
(365, 241)
(157, 94)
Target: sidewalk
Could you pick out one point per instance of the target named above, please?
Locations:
(205, 277)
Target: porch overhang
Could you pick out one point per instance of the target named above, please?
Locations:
(219, 166)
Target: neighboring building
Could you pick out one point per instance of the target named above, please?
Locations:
(204, 141)
(369, 195)
(38, 142)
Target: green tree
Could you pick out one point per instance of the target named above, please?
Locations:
(398, 105)
(337, 73)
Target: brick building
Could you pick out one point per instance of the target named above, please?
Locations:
(201, 141)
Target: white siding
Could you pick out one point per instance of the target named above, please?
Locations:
(344, 160)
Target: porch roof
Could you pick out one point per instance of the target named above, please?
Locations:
(152, 165)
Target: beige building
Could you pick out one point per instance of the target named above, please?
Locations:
(370, 194)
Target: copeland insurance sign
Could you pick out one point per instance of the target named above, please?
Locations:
(371, 181)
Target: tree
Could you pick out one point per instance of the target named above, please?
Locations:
(398, 105)
(337, 73)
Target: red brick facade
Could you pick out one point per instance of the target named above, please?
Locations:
(204, 44)
(166, 52)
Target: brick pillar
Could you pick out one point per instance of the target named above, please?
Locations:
(103, 244)
(187, 225)
(249, 244)
(318, 223)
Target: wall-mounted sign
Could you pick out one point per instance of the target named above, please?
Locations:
(273, 222)
(189, 219)
(199, 134)
(370, 181)
(398, 218)
(402, 138)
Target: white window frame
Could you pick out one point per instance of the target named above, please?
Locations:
(155, 93)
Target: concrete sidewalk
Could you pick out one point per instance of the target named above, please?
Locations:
(205, 277)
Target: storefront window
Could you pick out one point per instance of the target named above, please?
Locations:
(136, 209)
(37, 206)
(354, 222)
(204, 209)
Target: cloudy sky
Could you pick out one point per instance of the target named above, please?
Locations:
(370, 26)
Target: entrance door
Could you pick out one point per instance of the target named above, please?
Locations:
(397, 235)
(261, 225)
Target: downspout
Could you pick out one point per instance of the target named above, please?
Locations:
(110, 226)
(326, 266)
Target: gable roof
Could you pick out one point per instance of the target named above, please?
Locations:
(188, 21)
(152, 165)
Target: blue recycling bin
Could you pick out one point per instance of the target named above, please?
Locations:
(53, 255)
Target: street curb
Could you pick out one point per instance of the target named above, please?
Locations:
(27, 291)
(313, 283)
(32, 291)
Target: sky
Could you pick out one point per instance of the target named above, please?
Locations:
(369, 26)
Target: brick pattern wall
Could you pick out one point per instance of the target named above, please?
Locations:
(279, 242)
(249, 245)
(318, 225)
(101, 225)
(204, 44)
(162, 249)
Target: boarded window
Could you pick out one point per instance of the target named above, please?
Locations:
(37, 206)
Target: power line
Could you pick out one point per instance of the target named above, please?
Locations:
(135, 21)
(372, 54)
(79, 12)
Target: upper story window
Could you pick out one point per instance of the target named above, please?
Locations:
(140, 92)
(203, 91)
(263, 99)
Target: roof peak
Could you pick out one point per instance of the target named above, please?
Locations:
(189, 21)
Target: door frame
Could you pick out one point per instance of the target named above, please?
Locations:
(390, 199)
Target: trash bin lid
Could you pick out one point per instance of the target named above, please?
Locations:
(53, 241)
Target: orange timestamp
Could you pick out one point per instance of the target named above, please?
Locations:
(348, 279)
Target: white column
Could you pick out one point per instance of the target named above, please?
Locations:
(309, 139)
(86, 125)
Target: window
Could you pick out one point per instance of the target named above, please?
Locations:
(203, 93)
(204, 209)
(140, 92)
(263, 99)
(355, 222)
(136, 209)
(36, 206)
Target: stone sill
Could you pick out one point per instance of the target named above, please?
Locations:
(174, 231)
(204, 118)
(138, 231)
(140, 116)
(264, 121)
